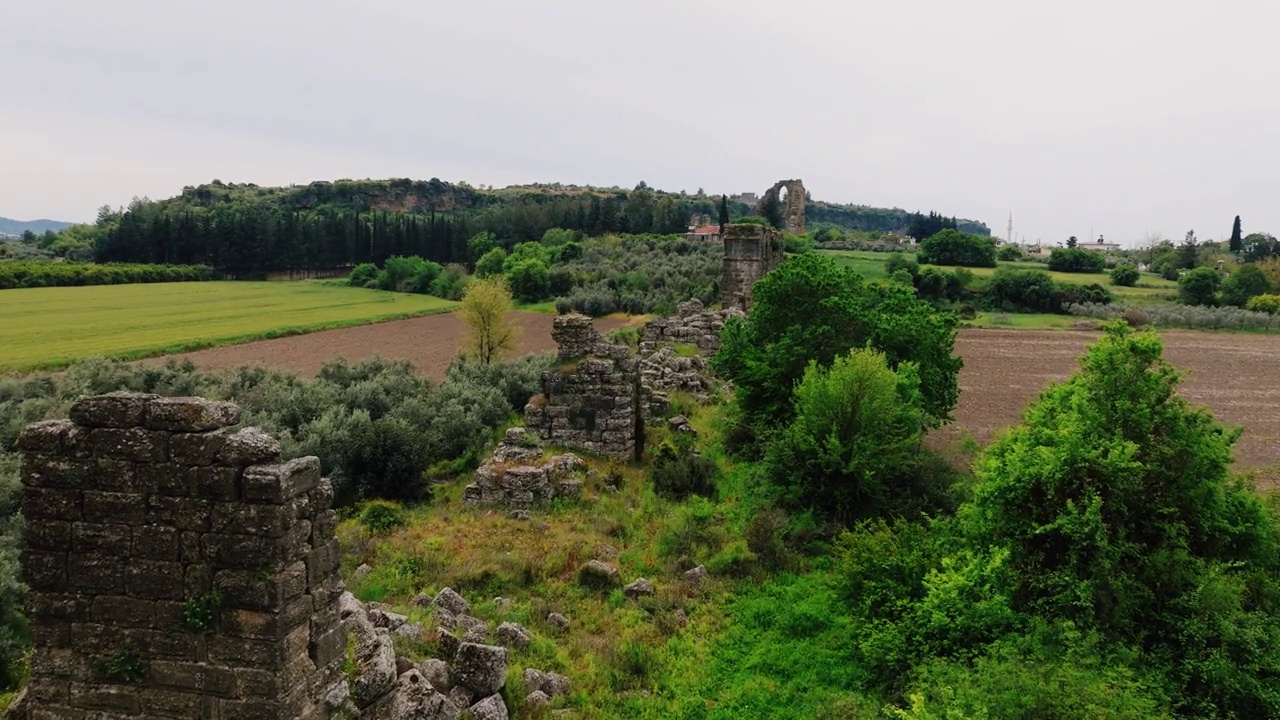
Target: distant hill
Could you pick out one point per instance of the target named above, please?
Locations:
(17, 227)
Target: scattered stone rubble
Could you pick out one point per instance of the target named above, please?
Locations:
(467, 678)
(517, 476)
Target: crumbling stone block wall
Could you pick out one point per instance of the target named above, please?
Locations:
(750, 252)
(692, 324)
(592, 403)
(176, 569)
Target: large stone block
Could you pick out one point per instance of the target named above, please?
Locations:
(135, 444)
(280, 483)
(190, 414)
(249, 446)
(44, 437)
(114, 410)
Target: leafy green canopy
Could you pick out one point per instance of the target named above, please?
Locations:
(1115, 509)
(857, 425)
(952, 247)
(811, 310)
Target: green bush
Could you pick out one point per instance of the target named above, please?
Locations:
(856, 425)
(36, 273)
(1243, 284)
(641, 274)
(1029, 290)
(1009, 253)
(898, 261)
(1091, 293)
(1124, 276)
(797, 244)
(751, 220)
(1076, 260)
(952, 247)
(678, 472)
(381, 517)
(1199, 286)
(363, 275)
(451, 282)
(1269, 304)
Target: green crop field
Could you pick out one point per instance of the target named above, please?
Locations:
(53, 327)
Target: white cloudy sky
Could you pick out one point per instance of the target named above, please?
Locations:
(1126, 117)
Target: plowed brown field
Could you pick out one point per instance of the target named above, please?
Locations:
(430, 343)
(1236, 375)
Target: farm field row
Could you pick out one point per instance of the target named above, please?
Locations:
(53, 327)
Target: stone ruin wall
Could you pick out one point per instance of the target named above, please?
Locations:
(136, 508)
(750, 252)
(592, 402)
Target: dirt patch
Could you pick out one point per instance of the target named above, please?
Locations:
(430, 343)
(1234, 375)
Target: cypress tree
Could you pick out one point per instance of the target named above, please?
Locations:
(1236, 238)
(724, 212)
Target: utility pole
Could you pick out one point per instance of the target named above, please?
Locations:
(1009, 236)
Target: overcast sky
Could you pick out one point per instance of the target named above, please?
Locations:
(1127, 117)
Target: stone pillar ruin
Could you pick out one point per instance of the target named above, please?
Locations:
(750, 252)
(592, 402)
(176, 569)
(793, 208)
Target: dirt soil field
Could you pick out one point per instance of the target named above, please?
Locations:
(430, 343)
(1235, 375)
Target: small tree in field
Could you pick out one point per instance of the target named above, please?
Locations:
(490, 332)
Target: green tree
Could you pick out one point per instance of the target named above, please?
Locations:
(490, 331)
(857, 425)
(1199, 286)
(724, 212)
(952, 247)
(1189, 250)
(1245, 282)
(491, 263)
(1124, 276)
(1076, 260)
(1072, 242)
(811, 310)
(1114, 507)
(1009, 253)
(482, 243)
(771, 210)
(1237, 240)
(1259, 246)
(530, 278)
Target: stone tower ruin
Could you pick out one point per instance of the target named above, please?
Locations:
(176, 569)
(750, 252)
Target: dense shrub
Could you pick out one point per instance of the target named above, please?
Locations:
(856, 426)
(363, 275)
(1114, 511)
(1124, 276)
(451, 282)
(1091, 293)
(952, 247)
(1243, 284)
(1199, 286)
(1186, 316)
(380, 517)
(898, 261)
(811, 310)
(1030, 290)
(29, 274)
(677, 472)
(1076, 260)
(641, 274)
(1009, 253)
(797, 244)
(1269, 304)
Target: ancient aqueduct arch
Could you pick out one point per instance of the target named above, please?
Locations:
(793, 209)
